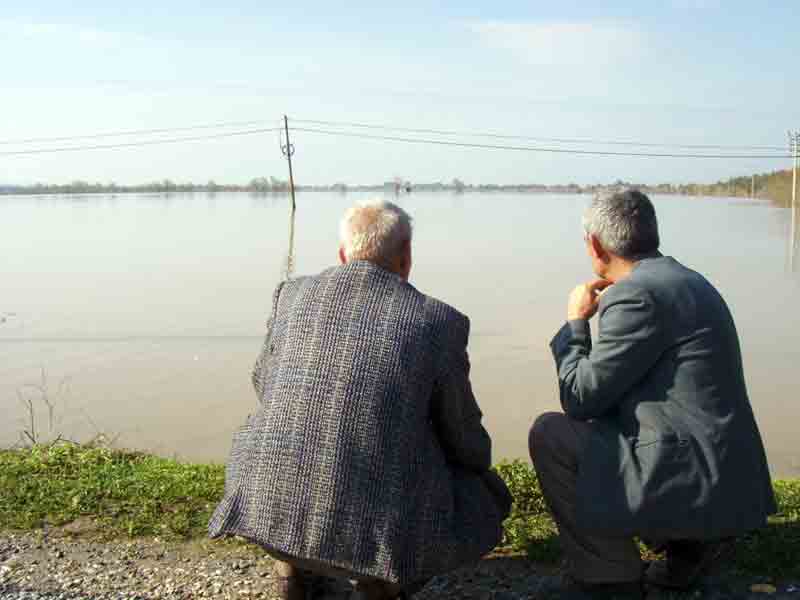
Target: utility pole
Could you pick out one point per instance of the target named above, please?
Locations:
(794, 148)
(288, 150)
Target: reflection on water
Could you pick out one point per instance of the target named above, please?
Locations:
(794, 240)
(146, 312)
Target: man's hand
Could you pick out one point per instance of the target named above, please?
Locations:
(584, 299)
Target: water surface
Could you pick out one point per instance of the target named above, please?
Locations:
(144, 313)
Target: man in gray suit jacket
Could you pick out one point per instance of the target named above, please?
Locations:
(366, 457)
(658, 438)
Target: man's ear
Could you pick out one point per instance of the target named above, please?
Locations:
(404, 261)
(596, 249)
(342, 255)
(407, 250)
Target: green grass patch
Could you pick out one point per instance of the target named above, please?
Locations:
(775, 550)
(529, 527)
(126, 494)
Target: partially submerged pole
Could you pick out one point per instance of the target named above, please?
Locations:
(794, 146)
(288, 151)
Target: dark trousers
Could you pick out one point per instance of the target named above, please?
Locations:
(556, 443)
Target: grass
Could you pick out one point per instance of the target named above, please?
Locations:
(124, 493)
(775, 551)
(529, 528)
(127, 494)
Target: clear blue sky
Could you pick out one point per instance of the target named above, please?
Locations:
(677, 71)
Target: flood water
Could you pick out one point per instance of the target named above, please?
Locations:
(140, 316)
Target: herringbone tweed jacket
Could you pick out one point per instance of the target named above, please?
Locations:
(367, 452)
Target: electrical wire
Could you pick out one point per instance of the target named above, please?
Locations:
(393, 138)
(139, 143)
(532, 148)
(538, 139)
(359, 125)
(91, 136)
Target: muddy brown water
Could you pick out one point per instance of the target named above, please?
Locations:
(140, 315)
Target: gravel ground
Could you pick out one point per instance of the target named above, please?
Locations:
(37, 566)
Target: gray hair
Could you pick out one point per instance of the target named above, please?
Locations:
(624, 223)
(375, 231)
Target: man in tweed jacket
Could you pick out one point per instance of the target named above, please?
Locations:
(366, 457)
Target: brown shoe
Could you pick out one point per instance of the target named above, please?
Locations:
(290, 584)
(687, 561)
(290, 588)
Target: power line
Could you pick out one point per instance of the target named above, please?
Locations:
(130, 132)
(532, 148)
(393, 128)
(538, 139)
(139, 143)
(411, 140)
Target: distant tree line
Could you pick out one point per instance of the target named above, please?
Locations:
(166, 186)
(775, 186)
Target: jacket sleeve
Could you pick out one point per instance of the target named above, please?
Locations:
(261, 368)
(455, 412)
(594, 379)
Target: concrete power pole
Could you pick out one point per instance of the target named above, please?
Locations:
(794, 148)
(288, 152)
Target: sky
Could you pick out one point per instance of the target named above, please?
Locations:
(685, 72)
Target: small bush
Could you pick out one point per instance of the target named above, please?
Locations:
(529, 527)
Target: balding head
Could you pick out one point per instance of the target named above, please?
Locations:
(378, 232)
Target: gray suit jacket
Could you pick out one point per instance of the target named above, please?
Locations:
(675, 450)
(367, 452)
